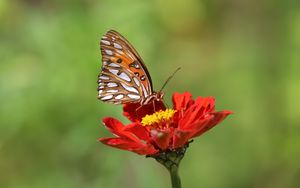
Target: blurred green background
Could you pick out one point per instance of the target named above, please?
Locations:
(245, 53)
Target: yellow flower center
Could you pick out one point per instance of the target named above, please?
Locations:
(159, 118)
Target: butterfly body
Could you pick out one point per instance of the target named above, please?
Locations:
(156, 96)
(124, 77)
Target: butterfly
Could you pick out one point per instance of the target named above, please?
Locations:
(124, 77)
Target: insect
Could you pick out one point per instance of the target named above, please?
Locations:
(124, 77)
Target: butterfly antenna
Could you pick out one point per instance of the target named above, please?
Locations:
(169, 79)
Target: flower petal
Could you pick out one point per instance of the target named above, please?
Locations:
(216, 118)
(124, 144)
(181, 137)
(197, 111)
(194, 127)
(113, 125)
(208, 103)
(162, 137)
(182, 101)
(118, 128)
(140, 131)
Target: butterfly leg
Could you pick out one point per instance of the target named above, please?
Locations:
(153, 103)
(138, 108)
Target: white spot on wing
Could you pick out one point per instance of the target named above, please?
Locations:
(112, 84)
(145, 91)
(120, 52)
(137, 82)
(118, 46)
(137, 66)
(112, 91)
(105, 42)
(119, 96)
(124, 76)
(104, 77)
(105, 63)
(114, 71)
(129, 88)
(133, 96)
(113, 65)
(108, 52)
(107, 97)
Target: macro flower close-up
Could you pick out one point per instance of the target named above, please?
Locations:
(156, 129)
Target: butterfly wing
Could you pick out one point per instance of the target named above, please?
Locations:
(124, 77)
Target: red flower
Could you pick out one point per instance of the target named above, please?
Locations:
(158, 129)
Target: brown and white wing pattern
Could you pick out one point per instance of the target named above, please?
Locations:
(124, 77)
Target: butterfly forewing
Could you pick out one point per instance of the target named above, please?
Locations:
(124, 77)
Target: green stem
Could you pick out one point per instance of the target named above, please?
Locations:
(171, 160)
(175, 179)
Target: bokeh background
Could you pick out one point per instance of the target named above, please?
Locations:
(245, 53)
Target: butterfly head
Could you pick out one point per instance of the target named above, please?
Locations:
(154, 97)
(158, 96)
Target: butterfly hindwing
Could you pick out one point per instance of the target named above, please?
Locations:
(124, 77)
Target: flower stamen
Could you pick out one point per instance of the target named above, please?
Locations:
(160, 118)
